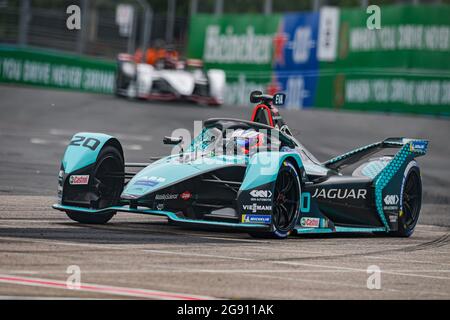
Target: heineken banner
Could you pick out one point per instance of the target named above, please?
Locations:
(54, 69)
(330, 59)
(242, 45)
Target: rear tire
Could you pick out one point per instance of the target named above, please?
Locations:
(411, 202)
(285, 204)
(107, 189)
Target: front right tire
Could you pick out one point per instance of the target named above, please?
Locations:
(285, 203)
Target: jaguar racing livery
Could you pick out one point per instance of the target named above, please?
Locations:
(252, 176)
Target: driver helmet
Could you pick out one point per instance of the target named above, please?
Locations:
(247, 140)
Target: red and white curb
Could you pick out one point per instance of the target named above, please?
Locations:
(96, 288)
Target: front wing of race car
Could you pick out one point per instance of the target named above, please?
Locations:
(171, 216)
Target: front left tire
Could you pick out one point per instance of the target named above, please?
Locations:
(106, 184)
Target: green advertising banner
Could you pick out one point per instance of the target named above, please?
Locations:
(402, 67)
(239, 44)
(331, 59)
(55, 69)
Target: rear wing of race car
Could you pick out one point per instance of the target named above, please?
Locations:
(418, 147)
(387, 176)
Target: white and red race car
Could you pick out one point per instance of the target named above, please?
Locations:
(169, 80)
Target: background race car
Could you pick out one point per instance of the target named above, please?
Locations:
(168, 78)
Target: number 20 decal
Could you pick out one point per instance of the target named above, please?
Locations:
(90, 143)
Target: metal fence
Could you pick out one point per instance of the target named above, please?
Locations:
(28, 23)
(42, 23)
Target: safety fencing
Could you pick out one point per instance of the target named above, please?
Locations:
(331, 59)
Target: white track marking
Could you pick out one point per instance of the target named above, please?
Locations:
(169, 232)
(194, 271)
(407, 261)
(344, 284)
(100, 246)
(44, 298)
(325, 282)
(120, 136)
(124, 136)
(39, 141)
(95, 288)
(74, 244)
(132, 147)
(358, 270)
(176, 270)
(225, 238)
(193, 254)
(46, 141)
(287, 250)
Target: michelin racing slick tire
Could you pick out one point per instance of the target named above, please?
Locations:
(410, 201)
(106, 186)
(285, 203)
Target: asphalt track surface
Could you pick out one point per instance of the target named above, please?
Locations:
(137, 256)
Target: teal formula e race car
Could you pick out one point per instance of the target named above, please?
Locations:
(252, 176)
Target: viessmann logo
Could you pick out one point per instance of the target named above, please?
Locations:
(340, 193)
(255, 207)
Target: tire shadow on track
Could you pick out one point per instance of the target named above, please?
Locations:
(155, 232)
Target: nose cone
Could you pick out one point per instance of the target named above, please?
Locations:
(171, 170)
(158, 176)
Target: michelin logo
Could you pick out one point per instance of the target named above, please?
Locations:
(250, 218)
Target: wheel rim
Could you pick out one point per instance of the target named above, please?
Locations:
(411, 199)
(107, 188)
(285, 199)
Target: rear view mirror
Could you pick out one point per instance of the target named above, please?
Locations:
(255, 96)
(278, 99)
(172, 140)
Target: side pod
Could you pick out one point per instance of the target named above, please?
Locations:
(261, 174)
